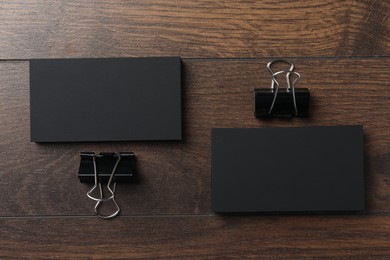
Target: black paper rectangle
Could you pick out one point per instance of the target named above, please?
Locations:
(311, 169)
(105, 99)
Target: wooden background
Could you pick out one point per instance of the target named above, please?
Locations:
(342, 51)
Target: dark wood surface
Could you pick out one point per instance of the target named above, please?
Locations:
(342, 51)
(207, 28)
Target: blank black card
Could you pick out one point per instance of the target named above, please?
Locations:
(311, 169)
(111, 99)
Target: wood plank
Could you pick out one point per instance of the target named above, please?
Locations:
(185, 237)
(206, 28)
(40, 179)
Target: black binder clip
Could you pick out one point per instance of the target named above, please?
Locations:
(276, 102)
(107, 168)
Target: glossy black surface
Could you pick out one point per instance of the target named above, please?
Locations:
(105, 163)
(284, 103)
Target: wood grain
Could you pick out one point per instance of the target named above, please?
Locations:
(208, 29)
(342, 51)
(174, 177)
(201, 237)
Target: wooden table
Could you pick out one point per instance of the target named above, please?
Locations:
(341, 49)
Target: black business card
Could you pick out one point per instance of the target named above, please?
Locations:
(310, 169)
(105, 99)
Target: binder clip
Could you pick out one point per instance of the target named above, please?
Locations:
(107, 168)
(275, 102)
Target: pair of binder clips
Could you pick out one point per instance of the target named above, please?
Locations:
(107, 168)
(277, 102)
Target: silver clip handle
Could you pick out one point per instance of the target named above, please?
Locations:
(99, 200)
(290, 85)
